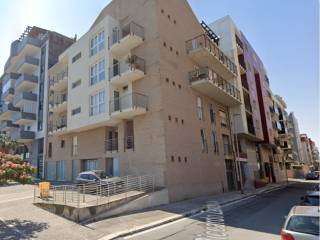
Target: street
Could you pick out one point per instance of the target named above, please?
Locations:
(260, 218)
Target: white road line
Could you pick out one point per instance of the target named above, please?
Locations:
(15, 199)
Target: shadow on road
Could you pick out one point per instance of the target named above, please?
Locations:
(17, 229)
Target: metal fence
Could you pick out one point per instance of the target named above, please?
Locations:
(96, 193)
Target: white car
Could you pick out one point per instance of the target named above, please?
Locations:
(302, 223)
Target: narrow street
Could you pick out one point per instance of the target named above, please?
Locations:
(260, 218)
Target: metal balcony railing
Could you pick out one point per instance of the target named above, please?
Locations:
(58, 124)
(96, 193)
(26, 77)
(25, 96)
(128, 101)
(214, 78)
(203, 41)
(111, 144)
(128, 142)
(130, 29)
(28, 60)
(59, 99)
(132, 63)
(59, 76)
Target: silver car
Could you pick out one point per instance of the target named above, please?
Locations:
(302, 223)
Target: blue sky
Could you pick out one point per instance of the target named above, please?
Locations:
(285, 34)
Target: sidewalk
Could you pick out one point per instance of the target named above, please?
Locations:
(148, 218)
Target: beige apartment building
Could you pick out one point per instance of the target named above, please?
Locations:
(138, 94)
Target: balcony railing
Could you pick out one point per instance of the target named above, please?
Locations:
(215, 79)
(128, 142)
(58, 77)
(128, 101)
(131, 29)
(58, 124)
(27, 60)
(111, 144)
(24, 96)
(131, 64)
(203, 41)
(59, 99)
(22, 135)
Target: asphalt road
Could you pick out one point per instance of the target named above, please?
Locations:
(261, 218)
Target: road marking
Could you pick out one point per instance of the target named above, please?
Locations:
(15, 199)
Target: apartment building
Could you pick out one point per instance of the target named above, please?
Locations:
(147, 91)
(293, 129)
(24, 82)
(282, 136)
(306, 149)
(252, 119)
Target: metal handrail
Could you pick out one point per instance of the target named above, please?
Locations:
(132, 63)
(214, 78)
(111, 144)
(130, 100)
(99, 192)
(203, 41)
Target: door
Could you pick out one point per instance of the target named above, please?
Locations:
(115, 35)
(116, 97)
(116, 168)
(230, 174)
(129, 139)
(109, 166)
(74, 169)
(116, 68)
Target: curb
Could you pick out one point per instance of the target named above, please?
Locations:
(183, 215)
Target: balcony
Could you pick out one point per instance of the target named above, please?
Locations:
(128, 38)
(27, 46)
(23, 118)
(27, 65)
(7, 111)
(7, 125)
(209, 83)
(207, 54)
(59, 104)
(239, 45)
(111, 145)
(128, 106)
(126, 72)
(22, 97)
(26, 82)
(59, 82)
(59, 127)
(8, 94)
(23, 136)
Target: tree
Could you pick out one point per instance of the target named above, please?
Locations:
(12, 167)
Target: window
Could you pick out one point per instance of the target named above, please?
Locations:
(75, 146)
(76, 57)
(212, 115)
(76, 83)
(203, 141)
(226, 145)
(199, 109)
(223, 117)
(6, 86)
(97, 103)
(62, 143)
(97, 72)
(50, 149)
(304, 224)
(76, 111)
(97, 43)
(90, 165)
(215, 142)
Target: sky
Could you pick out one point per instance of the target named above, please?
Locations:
(285, 35)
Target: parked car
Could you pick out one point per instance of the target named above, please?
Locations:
(310, 199)
(302, 223)
(312, 176)
(96, 181)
